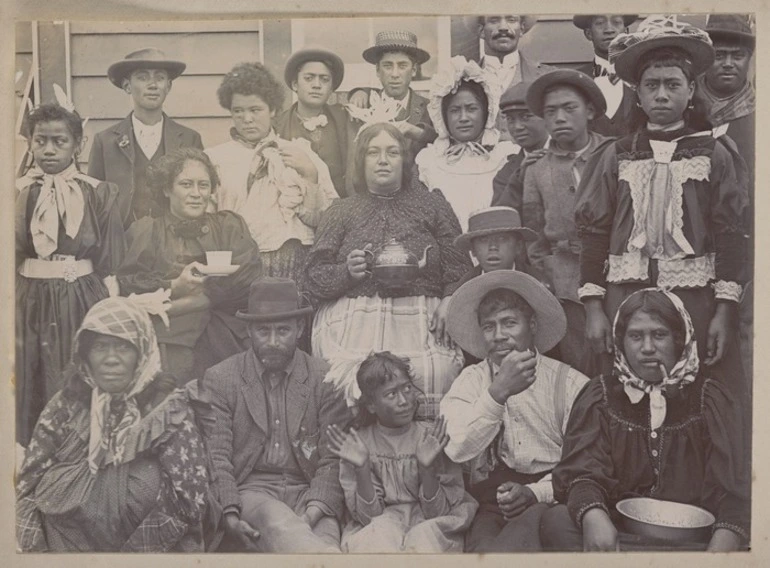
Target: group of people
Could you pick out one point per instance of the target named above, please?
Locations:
(555, 225)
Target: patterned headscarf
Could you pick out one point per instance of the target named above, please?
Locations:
(117, 317)
(683, 372)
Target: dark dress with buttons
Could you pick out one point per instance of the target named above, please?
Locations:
(160, 248)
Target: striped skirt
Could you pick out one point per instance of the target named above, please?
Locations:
(346, 331)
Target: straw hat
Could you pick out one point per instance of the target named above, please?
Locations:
(395, 40)
(570, 77)
(147, 58)
(463, 322)
(299, 58)
(272, 299)
(490, 220)
(626, 50)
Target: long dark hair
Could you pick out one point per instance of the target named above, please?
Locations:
(695, 117)
(659, 307)
(368, 134)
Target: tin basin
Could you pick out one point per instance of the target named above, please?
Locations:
(665, 520)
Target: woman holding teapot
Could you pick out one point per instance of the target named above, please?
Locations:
(392, 220)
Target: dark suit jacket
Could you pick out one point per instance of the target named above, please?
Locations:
(240, 433)
(345, 131)
(507, 185)
(620, 124)
(113, 153)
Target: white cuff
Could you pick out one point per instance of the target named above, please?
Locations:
(490, 407)
(591, 290)
(543, 490)
(724, 290)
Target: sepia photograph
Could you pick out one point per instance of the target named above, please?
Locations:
(476, 283)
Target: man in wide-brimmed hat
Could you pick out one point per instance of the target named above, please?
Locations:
(121, 153)
(529, 132)
(567, 100)
(396, 57)
(507, 414)
(600, 30)
(275, 479)
(314, 75)
(502, 62)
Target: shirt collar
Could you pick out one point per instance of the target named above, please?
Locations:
(545, 147)
(604, 64)
(509, 61)
(140, 126)
(403, 102)
(573, 153)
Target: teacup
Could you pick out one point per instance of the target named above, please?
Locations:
(219, 257)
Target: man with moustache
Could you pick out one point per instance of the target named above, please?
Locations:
(275, 479)
(120, 154)
(501, 61)
(314, 75)
(600, 30)
(396, 56)
(567, 100)
(507, 415)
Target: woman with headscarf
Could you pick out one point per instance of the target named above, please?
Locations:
(116, 462)
(468, 153)
(664, 205)
(656, 427)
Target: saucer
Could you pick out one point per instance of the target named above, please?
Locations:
(218, 270)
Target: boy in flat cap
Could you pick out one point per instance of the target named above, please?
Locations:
(314, 75)
(529, 132)
(567, 100)
(121, 153)
(600, 30)
(395, 55)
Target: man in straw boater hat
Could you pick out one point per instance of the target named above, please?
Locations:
(567, 100)
(276, 482)
(507, 415)
(314, 75)
(600, 30)
(529, 132)
(396, 58)
(121, 153)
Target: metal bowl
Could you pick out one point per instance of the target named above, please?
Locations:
(665, 520)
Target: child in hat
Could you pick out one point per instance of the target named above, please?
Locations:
(402, 492)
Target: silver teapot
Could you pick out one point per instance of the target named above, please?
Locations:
(393, 265)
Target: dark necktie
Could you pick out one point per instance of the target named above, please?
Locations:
(600, 71)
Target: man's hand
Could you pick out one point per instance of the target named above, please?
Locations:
(189, 282)
(312, 515)
(294, 157)
(437, 324)
(409, 130)
(533, 157)
(598, 329)
(359, 99)
(514, 498)
(517, 373)
(242, 531)
(599, 534)
(721, 328)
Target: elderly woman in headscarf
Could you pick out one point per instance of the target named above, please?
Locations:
(468, 153)
(116, 461)
(657, 427)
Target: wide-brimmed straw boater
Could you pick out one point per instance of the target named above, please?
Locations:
(299, 58)
(569, 77)
(627, 51)
(395, 40)
(273, 299)
(584, 21)
(463, 322)
(147, 58)
(491, 220)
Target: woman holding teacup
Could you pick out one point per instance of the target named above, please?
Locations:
(658, 426)
(359, 312)
(167, 258)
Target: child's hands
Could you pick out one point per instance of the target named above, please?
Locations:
(348, 447)
(432, 443)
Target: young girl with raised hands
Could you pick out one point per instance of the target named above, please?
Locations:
(402, 493)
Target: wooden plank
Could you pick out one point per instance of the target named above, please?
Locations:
(167, 26)
(23, 37)
(189, 97)
(204, 53)
(51, 46)
(277, 49)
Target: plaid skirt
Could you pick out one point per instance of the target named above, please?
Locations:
(348, 330)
